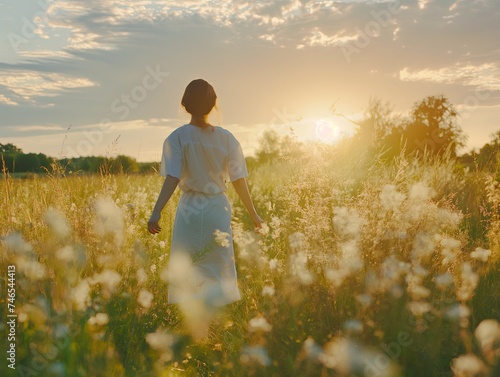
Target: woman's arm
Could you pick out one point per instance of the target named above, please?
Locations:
(240, 185)
(166, 192)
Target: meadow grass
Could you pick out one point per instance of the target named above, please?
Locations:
(364, 268)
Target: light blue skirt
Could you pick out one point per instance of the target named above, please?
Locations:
(198, 218)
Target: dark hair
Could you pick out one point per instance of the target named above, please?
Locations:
(199, 97)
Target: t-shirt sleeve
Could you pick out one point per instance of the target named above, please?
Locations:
(237, 167)
(171, 160)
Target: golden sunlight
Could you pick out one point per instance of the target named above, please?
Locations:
(331, 131)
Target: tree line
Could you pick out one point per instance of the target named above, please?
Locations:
(431, 129)
(15, 161)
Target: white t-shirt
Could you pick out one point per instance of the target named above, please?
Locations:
(204, 159)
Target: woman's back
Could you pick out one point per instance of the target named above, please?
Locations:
(203, 158)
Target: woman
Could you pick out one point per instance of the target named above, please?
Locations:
(200, 159)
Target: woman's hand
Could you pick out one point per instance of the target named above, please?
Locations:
(257, 222)
(153, 226)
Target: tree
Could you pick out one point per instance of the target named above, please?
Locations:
(124, 164)
(377, 124)
(433, 127)
(29, 162)
(8, 153)
(9, 149)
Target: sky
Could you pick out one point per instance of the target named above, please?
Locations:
(105, 77)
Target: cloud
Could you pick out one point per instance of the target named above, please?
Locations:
(7, 101)
(318, 38)
(27, 86)
(484, 76)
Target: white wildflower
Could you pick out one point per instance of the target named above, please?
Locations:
(420, 191)
(396, 291)
(311, 349)
(347, 221)
(452, 218)
(469, 283)
(487, 334)
(255, 355)
(418, 292)
(353, 326)
(108, 219)
(80, 295)
(142, 277)
(418, 308)
(364, 299)
(66, 254)
(145, 298)
(268, 290)
(390, 198)
(298, 268)
(222, 238)
(259, 324)
(162, 244)
(337, 355)
(448, 256)
(31, 268)
(392, 269)
(264, 229)
(481, 254)
(419, 271)
(468, 366)
(423, 246)
(350, 258)
(57, 223)
(457, 312)
(108, 279)
(273, 264)
(450, 243)
(100, 319)
(296, 240)
(336, 276)
(34, 313)
(160, 340)
(443, 281)
(275, 226)
(16, 242)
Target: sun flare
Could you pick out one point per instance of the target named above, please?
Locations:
(332, 132)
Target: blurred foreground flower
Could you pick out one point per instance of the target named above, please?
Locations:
(108, 219)
(259, 324)
(99, 319)
(255, 356)
(57, 223)
(222, 238)
(160, 340)
(145, 298)
(481, 254)
(348, 358)
(487, 334)
(468, 366)
(108, 279)
(390, 198)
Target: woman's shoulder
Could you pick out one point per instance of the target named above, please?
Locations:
(224, 132)
(177, 131)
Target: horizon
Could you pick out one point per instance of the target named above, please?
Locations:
(117, 68)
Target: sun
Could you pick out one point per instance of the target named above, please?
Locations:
(330, 132)
(327, 132)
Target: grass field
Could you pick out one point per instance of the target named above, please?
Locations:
(363, 269)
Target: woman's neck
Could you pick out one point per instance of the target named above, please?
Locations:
(200, 121)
